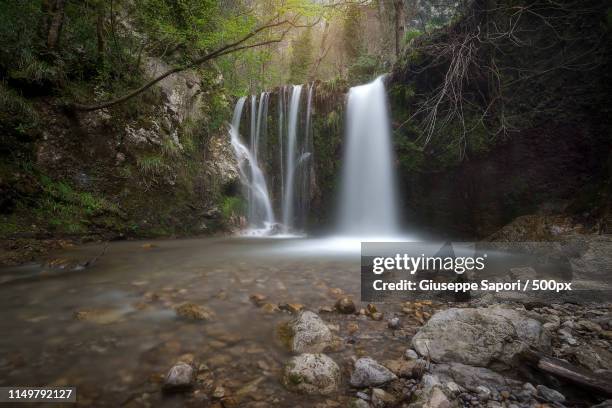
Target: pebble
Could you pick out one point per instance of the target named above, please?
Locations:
(376, 316)
(363, 396)
(483, 392)
(394, 323)
(345, 305)
(219, 392)
(453, 387)
(180, 377)
(529, 388)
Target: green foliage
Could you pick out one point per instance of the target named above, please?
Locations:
(411, 34)
(232, 206)
(193, 25)
(16, 111)
(365, 68)
(301, 57)
(152, 165)
(410, 155)
(60, 192)
(56, 206)
(351, 33)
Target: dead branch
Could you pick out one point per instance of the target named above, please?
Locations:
(575, 375)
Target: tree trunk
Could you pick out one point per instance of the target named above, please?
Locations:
(56, 21)
(323, 50)
(100, 31)
(397, 5)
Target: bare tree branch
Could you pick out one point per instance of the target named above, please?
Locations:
(224, 50)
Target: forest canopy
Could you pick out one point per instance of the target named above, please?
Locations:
(96, 49)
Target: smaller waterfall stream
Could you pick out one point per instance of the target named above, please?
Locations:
(261, 216)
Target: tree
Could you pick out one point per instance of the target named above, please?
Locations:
(53, 14)
(301, 57)
(352, 33)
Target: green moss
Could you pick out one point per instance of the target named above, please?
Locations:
(9, 225)
(151, 165)
(232, 206)
(295, 379)
(285, 334)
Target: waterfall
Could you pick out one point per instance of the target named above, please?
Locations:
(304, 166)
(288, 200)
(261, 216)
(367, 201)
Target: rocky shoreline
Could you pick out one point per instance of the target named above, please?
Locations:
(460, 356)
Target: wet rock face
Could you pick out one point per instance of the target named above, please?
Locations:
(312, 374)
(480, 337)
(180, 377)
(368, 372)
(307, 333)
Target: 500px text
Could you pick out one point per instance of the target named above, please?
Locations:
(484, 285)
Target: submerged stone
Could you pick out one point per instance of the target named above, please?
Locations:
(306, 333)
(345, 305)
(192, 311)
(311, 374)
(179, 378)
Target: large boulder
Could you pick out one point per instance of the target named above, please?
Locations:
(312, 374)
(368, 372)
(306, 333)
(480, 337)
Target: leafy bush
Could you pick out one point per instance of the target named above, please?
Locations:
(232, 206)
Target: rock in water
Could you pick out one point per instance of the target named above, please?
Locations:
(180, 377)
(382, 399)
(192, 311)
(312, 374)
(345, 305)
(359, 403)
(394, 323)
(307, 333)
(369, 372)
(480, 337)
(432, 397)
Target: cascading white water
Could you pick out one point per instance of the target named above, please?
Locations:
(304, 166)
(368, 199)
(290, 159)
(261, 216)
